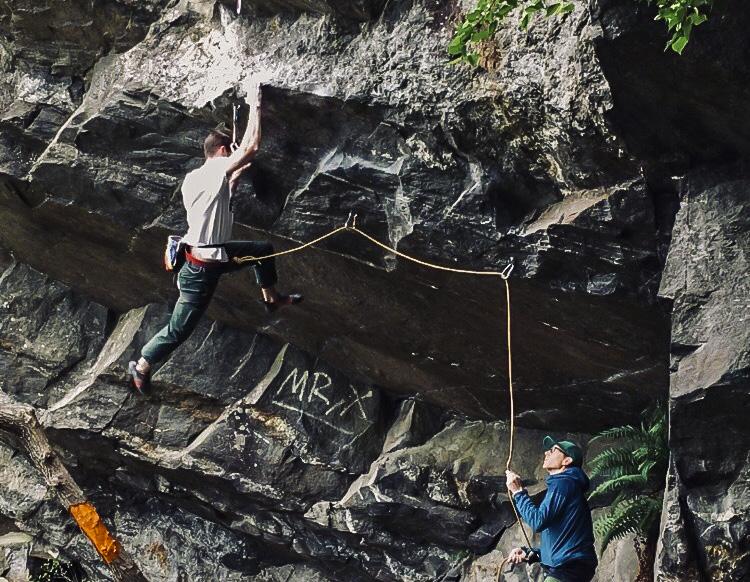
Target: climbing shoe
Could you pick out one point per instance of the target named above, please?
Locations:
(138, 380)
(283, 300)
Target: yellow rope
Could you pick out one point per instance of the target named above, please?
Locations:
(512, 409)
(505, 274)
(510, 376)
(250, 258)
(419, 261)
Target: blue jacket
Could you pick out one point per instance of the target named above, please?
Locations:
(563, 517)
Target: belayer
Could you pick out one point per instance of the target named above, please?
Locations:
(563, 517)
(209, 252)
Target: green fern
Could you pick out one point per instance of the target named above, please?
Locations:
(612, 459)
(633, 470)
(631, 516)
(618, 432)
(619, 483)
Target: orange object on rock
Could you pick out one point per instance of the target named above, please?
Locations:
(92, 525)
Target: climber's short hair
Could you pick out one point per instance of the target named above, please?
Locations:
(214, 141)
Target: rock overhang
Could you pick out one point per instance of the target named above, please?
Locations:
(414, 186)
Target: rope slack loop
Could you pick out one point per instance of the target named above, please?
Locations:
(351, 226)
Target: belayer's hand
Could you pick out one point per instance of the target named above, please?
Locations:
(516, 556)
(513, 482)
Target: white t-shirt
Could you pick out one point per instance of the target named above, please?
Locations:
(205, 194)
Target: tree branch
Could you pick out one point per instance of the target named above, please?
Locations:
(19, 421)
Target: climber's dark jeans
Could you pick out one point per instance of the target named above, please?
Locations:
(197, 286)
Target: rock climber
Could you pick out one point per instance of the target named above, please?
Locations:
(209, 252)
(563, 517)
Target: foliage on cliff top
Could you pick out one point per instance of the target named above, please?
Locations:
(481, 23)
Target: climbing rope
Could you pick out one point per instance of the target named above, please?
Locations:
(234, 144)
(512, 403)
(351, 226)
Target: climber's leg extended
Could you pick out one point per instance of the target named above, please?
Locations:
(197, 285)
(185, 316)
(265, 271)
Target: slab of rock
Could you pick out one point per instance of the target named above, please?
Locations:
(705, 529)
(48, 335)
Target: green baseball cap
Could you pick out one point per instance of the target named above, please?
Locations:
(571, 449)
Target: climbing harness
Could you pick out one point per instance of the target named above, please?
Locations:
(176, 253)
(351, 226)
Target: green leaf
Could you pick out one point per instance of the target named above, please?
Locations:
(481, 35)
(559, 8)
(623, 519)
(551, 9)
(698, 18)
(457, 46)
(480, 24)
(611, 459)
(503, 12)
(679, 45)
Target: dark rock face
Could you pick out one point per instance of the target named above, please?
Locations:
(48, 335)
(689, 107)
(47, 48)
(360, 436)
(706, 277)
(250, 460)
(457, 168)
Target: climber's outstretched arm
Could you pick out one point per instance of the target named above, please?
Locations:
(248, 147)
